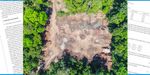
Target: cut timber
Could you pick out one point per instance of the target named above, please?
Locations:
(81, 35)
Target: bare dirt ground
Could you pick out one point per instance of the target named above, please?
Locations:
(81, 35)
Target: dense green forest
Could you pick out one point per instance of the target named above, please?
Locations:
(35, 17)
(118, 27)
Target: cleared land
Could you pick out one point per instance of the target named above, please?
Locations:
(81, 35)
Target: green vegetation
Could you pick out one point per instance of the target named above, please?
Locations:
(118, 27)
(78, 6)
(34, 25)
(61, 13)
(88, 6)
(70, 66)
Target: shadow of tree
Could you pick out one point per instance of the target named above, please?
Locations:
(69, 62)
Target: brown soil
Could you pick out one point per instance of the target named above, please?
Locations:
(81, 35)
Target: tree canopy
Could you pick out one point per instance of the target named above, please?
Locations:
(35, 18)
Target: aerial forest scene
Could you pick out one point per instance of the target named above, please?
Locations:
(75, 37)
